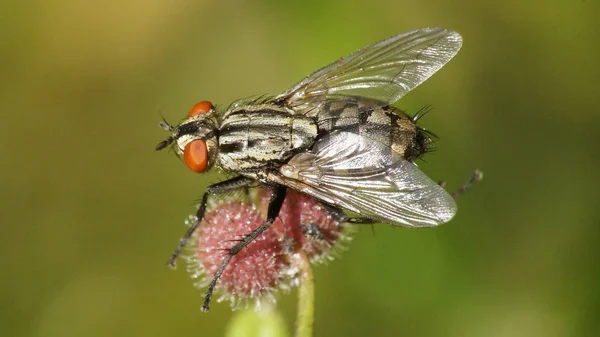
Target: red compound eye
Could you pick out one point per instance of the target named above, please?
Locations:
(200, 108)
(195, 155)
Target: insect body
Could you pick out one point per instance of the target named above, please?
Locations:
(333, 136)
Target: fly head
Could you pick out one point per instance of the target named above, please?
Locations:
(195, 137)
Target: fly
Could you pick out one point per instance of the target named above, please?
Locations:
(333, 136)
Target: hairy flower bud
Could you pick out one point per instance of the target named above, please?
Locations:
(311, 225)
(266, 264)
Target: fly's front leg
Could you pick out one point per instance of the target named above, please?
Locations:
(275, 204)
(222, 187)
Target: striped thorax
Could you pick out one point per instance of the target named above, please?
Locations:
(253, 136)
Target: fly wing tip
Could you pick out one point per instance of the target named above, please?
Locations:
(446, 209)
(448, 215)
(449, 35)
(456, 38)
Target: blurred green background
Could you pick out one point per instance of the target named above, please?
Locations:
(90, 212)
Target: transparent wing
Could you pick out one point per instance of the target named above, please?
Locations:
(383, 72)
(361, 175)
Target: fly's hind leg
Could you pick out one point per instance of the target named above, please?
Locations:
(222, 187)
(275, 204)
(339, 215)
(475, 177)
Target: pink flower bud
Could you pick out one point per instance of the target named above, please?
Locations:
(266, 264)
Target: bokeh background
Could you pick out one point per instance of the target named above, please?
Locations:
(90, 212)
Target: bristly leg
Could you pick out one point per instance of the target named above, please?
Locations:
(339, 215)
(222, 187)
(275, 204)
(475, 177)
(362, 221)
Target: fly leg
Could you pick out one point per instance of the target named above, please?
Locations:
(275, 204)
(362, 221)
(222, 187)
(340, 216)
(475, 177)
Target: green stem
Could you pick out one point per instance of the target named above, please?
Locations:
(305, 317)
